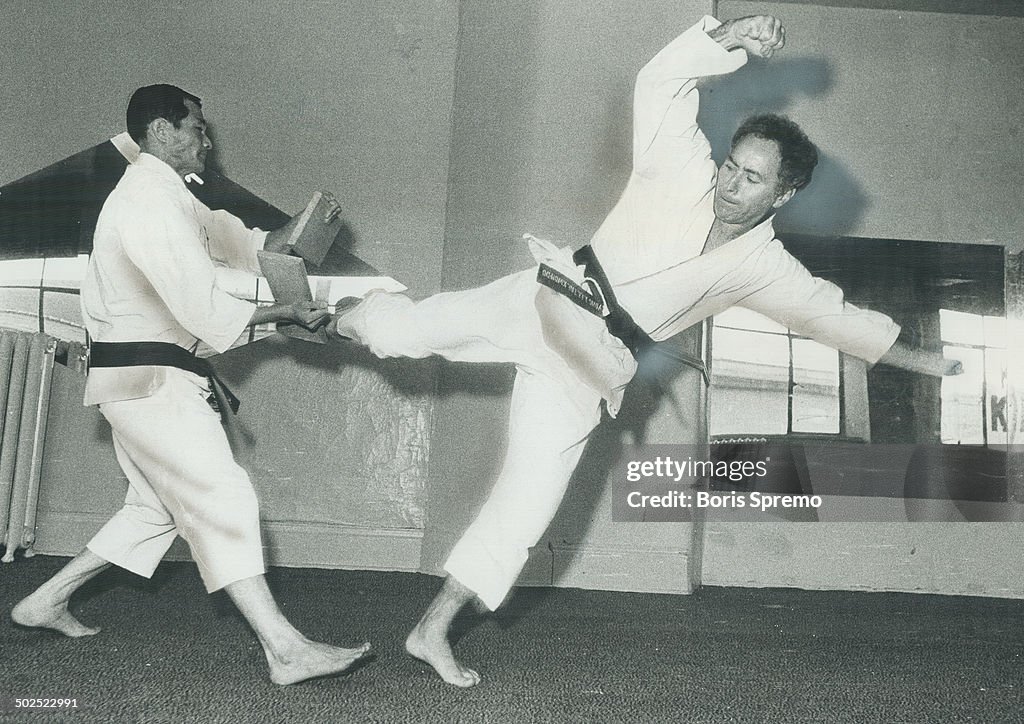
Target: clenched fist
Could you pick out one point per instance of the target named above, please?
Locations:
(759, 34)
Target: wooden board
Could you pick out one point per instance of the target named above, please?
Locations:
(289, 283)
(312, 238)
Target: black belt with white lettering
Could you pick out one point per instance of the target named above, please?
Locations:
(163, 354)
(620, 324)
(588, 297)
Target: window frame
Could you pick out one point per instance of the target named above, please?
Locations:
(846, 364)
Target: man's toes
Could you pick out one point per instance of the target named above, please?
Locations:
(466, 678)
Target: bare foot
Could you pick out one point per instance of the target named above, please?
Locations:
(39, 611)
(313, 659)
(433, 648)
(337, 327)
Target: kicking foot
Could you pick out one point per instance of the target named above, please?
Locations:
(312, 660)
(435, 650)
(337, 328)
(39, 611)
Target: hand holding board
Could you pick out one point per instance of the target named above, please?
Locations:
(289, 283)
(312, 237)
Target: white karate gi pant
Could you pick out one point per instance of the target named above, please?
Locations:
(182, 480)
(552, 412)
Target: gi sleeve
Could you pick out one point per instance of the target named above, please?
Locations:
(666, 100)
(165, 240)
(232, 243)
(817, 308)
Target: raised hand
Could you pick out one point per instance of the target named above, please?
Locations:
(759, 34)
(333, 207)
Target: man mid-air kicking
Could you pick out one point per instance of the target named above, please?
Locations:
(685, 241)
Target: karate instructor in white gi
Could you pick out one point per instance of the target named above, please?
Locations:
(685, 241)
(150, 293)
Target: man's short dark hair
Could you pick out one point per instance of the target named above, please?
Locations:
(799, 155)
(157, 101)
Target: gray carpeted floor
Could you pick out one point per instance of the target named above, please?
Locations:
(170, 653)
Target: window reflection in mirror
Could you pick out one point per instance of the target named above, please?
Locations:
(847, 429)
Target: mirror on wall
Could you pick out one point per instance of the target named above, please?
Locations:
(832, 424)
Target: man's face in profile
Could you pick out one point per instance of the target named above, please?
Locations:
(189, 143)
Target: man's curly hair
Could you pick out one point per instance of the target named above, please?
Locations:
(799, 155)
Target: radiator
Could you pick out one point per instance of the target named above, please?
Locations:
(26, 370)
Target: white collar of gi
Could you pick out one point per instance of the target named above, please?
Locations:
(762, 233)
(151, 163)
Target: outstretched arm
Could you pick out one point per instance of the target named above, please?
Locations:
(818, 309)
(920, 360)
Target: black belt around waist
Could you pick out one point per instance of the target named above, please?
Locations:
(163, 354)
(619, 322)
(621, 325)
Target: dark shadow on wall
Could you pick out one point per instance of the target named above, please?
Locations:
(468, 443)
(314, 379)
(760, 87)
(645, 395)
(834, 202)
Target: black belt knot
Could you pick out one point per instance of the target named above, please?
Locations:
(618, 321)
